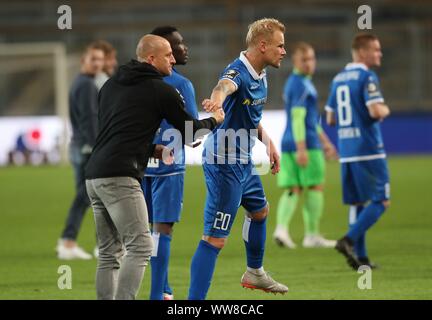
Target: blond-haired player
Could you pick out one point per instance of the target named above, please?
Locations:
(230, 176)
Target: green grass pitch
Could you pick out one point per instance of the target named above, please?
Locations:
(34, 203)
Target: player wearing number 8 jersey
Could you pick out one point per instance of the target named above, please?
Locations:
(357, 106)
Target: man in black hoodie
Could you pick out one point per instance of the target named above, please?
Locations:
(132, 105)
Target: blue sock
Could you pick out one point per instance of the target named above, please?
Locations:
(202, 268)
(159, 264)
(254, 236)
(360, 247)
(369, 216)
(167, 288)
(360, 244)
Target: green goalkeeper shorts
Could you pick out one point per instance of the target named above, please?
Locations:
(292, 175)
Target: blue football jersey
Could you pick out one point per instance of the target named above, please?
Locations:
(156, 167)
(243, 112)
(359, 135)
(299, 91)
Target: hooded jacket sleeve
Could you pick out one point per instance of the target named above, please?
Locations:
(173, 110)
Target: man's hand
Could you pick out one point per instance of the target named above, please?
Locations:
(270, 149)
(274, 158)
(223, 89)
(211, 106)
(330, 151)
(165, 154)
(219, 115)
(302, 157)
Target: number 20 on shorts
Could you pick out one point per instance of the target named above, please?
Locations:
(222, 221)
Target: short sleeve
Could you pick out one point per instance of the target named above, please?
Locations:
(331, 100)
(298, 94)
(233, 75)
(371, 90)
(188, 93)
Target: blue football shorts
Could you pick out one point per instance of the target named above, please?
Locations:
(364, 181)
(230, 186)
(164, 197)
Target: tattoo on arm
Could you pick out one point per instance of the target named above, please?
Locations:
(225, 87)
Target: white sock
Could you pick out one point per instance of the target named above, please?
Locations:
(256, 271)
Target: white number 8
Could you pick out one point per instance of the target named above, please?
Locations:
(344, 105)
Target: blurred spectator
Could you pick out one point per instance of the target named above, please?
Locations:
(110, 63)
(83, 115)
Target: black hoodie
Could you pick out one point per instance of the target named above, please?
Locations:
(132, 105)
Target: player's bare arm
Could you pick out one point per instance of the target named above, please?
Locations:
(271, 149)
(164, 153)
(330, 118)
(219, 115)
(298, 115)
(329, 149)
(223, 89)
(379, 111)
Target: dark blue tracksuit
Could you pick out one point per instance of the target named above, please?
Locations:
(83, 108)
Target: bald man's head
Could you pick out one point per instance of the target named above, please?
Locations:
(156, 51)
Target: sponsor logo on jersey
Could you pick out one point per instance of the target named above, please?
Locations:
(256, 102)
(246, 102)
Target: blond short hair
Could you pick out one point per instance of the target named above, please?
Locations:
(263, 28)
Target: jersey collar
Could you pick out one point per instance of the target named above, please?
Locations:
(251, 70)
(356, 65)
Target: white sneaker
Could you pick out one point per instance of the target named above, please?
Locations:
(318, 241)
(96, 252)
(73, 253)
(59, 244)
(283, 239)
(262, 282)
